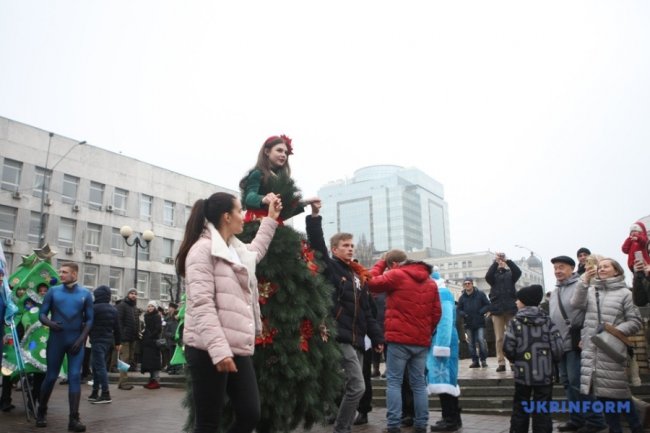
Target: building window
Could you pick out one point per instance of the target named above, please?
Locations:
(70, 188)
(143, 285)
(168, 213)
(96, 197)
(115, 278)
(11, 174)
(469, 263)
(119, 200)
(117, 243)
(90, 276)
(41, 181)
(166, 285)
(66, 232)
(168, 250)
(93, 237)
(144, 253)
(146, 204)
(33, 236)
(7, 221)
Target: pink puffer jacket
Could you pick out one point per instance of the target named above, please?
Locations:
(223, 311)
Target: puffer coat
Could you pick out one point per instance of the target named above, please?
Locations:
(598, 371)
(222, 313)
(412, 302)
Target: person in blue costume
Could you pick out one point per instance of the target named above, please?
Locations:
(71, 308)
(442, 361)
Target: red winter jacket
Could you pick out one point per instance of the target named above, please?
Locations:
(640, 244)
(412, 302)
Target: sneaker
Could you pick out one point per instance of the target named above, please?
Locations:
(103, 399)
(501, 369)
(153, 384)
(484, 364)
(125, 387)
(474, 364)
(592, 429)
(567, 426)
(94, 395)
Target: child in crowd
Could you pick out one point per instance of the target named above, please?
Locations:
(637, 241)
(533, 344)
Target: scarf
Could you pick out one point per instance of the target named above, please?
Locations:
(362, 273)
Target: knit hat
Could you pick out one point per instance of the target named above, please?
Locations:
(564, 259)
(468, 280)
(132, 291)
(531, 296)
(152, 303)
(636, 227)
(583, 250)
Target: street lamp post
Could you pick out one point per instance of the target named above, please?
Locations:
(45, 186)
(139, 241)
(541, 261)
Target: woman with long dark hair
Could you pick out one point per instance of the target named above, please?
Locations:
(222, 317)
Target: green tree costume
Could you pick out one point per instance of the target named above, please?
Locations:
(296, 359)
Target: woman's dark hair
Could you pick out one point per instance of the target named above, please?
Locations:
(211, 209)
(264, 165)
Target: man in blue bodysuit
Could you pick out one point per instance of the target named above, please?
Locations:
(70, 307)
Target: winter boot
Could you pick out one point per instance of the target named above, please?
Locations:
(74, 424)
(41, 416)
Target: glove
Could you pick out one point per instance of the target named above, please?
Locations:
(54, 326)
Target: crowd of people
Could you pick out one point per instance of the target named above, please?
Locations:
(236, 339)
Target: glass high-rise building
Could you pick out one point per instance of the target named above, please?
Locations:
(388, 206)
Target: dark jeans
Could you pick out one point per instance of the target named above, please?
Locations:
(99, 351)
(209, 389)
(365, 404)
(476, 337)
(542, 422)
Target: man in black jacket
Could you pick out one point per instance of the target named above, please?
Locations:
(502, 276)
(104, 333)
(351, 310)
(472, 306)
(127, 314)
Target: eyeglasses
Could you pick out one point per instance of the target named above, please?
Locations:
(467, 284)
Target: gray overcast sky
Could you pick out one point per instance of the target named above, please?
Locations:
(534, 116)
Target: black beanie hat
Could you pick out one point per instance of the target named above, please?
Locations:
(583, 250)
(531, 296)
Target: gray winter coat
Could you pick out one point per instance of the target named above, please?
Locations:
(598, 372)
(576, 316)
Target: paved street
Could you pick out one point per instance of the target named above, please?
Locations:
(142, 410)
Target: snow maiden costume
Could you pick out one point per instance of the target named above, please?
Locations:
(442, 361)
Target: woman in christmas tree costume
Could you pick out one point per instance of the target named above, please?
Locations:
(222, 316)
(297, 368)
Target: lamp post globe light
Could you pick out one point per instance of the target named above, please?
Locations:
(139, 241)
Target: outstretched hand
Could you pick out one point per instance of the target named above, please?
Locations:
(268, 198)
(275, 207)
(315, 207)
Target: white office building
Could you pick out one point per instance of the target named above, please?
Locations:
(387, 206)
(76, 197)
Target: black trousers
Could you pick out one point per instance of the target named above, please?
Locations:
(365, 404)
(209, 389)
(542, 422)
